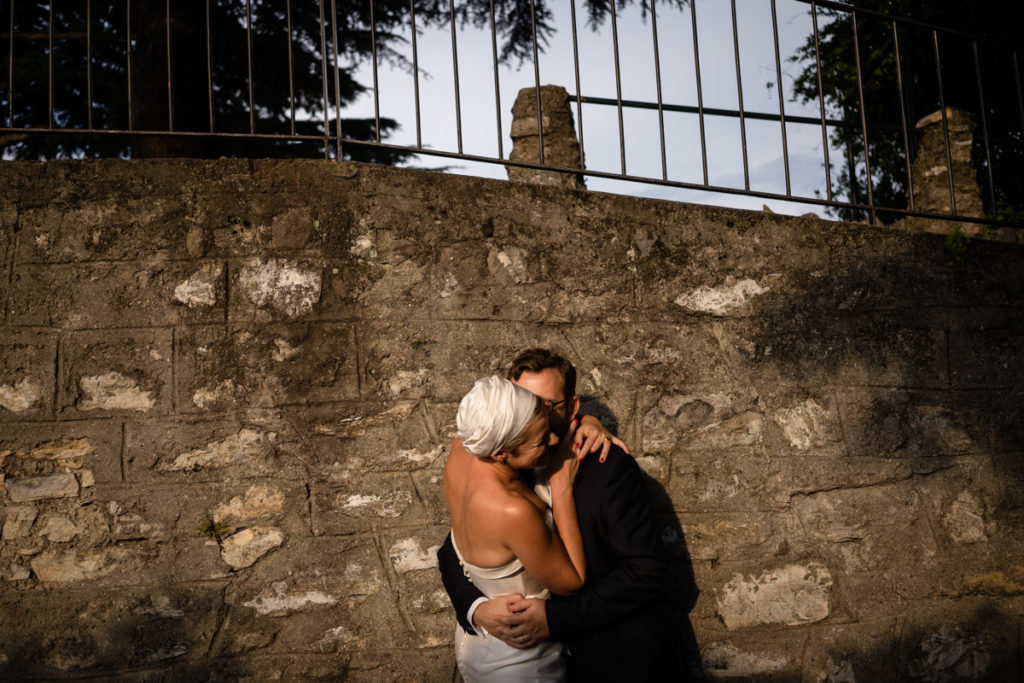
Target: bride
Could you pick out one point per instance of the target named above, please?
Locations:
(513, 532)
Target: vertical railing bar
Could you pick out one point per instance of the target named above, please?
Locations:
(376, 83)
(416, 74)
(497, 90)
(657, 79)
(128, 51)
(10, 70)
(945, 123)
(248, 47)
(536, 83)
(337, 77)
(170, 72)
(618, 86)
(782, 106)
(821, 100)
(88, 62)
(739, 94)
(455, 71)
(850, 163)
(50, 61)
(291, 66)
(1016, 80)
(863, 118)
(576, 67)
(903, 114)
(984, 128)
(209, 65)
(323, 81)
(700, 93)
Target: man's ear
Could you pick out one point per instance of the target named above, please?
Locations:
(574, 407)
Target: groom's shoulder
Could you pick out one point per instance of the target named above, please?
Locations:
(618, 463)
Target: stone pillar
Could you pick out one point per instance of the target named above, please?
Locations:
(561, 147)
(931, 177)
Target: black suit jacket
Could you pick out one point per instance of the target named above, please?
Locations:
(617, 628)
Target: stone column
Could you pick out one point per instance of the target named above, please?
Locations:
(561, 147)
(931, 176)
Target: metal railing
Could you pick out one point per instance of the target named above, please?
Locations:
(98, 78)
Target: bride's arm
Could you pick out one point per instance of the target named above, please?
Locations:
(555, 558)
(561, 471)
(557, 565)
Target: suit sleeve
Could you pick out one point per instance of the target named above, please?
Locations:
(634, 543)
(460, 589)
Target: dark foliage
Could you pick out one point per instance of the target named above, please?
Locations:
(173, 83)
(961, 87)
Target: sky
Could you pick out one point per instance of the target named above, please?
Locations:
(637, 77)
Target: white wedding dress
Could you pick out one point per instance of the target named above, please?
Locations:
(484, 658)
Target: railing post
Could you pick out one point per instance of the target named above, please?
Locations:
(561, 147)
(934, 167)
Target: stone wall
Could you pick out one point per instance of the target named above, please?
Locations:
(227, 387)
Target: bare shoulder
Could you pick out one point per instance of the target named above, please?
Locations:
(506, 508)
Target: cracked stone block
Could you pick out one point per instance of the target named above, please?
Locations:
(260, 502)
(116, 373)
(413, 553)
(403, 437)
(811, 424)
(365, 501)
(984, 350)
(209, 450)
(725, 660)
(870, 349)
(87, 447)
(266, 366)
(83, 632)
(60, 566)
(273, 289)
(57, 528)
(891, 423)
(316, 595)
(959, 640)
(735, 536)
(428, 608)
(278, 602)
(863, 651)
(701, 421)
(882, 526)
(201, 288)
(731, 298)
(791, 595)
(99, 228)
(18, 520)
(244, 548)
(27, 370)
(61, 485)
(99, 295)
(721, 482)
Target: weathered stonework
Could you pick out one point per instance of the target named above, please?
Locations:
(227, 389)
(561, 147)
(932, 169)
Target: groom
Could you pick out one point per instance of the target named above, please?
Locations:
(617, 628)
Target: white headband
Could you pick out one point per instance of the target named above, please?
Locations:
(492, 413)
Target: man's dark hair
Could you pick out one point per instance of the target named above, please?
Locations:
(535, 360)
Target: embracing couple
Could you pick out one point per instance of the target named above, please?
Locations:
(554, 564)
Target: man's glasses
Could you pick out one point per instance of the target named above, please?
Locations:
(551, 405)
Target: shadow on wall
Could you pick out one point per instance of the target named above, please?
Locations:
(172, 635)
(884, 386)
(680, 586)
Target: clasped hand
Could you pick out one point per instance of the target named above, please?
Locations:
(519, 622)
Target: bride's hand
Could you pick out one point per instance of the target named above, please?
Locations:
(563, 462)
(592, 436)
